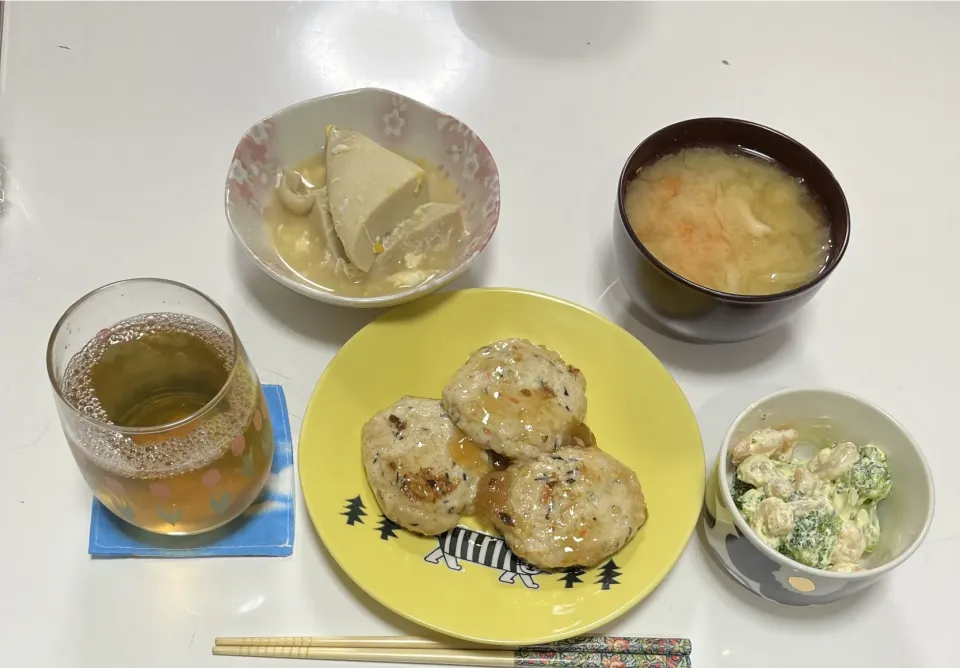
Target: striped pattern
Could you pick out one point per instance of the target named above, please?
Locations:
(480, 548)
(483, 549)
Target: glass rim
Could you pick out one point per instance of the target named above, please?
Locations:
(157, 429)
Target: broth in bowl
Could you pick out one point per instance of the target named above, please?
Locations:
(729, 221)
(361, 220)
(389, 167)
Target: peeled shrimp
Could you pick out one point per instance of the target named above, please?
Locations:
(831, 463)
(851, 544)
(759, 471)
(779, 444)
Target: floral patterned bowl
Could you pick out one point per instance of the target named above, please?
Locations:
(905, 515)
(297, 132)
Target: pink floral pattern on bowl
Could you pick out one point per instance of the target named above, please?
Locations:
(253, 168)
(396, 121)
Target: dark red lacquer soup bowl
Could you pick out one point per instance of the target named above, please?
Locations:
(698, 313)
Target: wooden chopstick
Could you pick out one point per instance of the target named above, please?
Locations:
(592, 644)
(495, 658)
(443, 657)
(381, 642)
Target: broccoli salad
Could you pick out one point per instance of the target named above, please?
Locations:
(822, 512)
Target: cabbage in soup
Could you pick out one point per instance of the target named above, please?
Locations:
(729, 221)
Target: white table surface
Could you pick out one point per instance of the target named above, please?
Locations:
(118, 123)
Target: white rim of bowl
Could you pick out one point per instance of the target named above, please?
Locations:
(326, 296)
(768, 551)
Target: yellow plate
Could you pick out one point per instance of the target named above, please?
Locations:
(635, 408)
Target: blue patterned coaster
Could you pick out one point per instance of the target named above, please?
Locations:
(265, 530)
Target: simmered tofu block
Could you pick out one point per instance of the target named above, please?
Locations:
(334, 256)
(371, 190)
(432, 228)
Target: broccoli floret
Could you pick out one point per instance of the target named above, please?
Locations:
(737, 490)
(869, 477)
(813, 537)
(749, 503)
(746, 497)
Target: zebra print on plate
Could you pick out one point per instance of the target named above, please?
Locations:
(475, 547)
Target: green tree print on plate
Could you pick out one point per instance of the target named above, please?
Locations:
(354, 511)
(571, 577)
(609, 573)
(387, 528)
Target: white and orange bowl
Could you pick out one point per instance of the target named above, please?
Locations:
(905, 515)
(295, 133)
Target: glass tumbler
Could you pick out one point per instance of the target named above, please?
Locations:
(161, 408)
